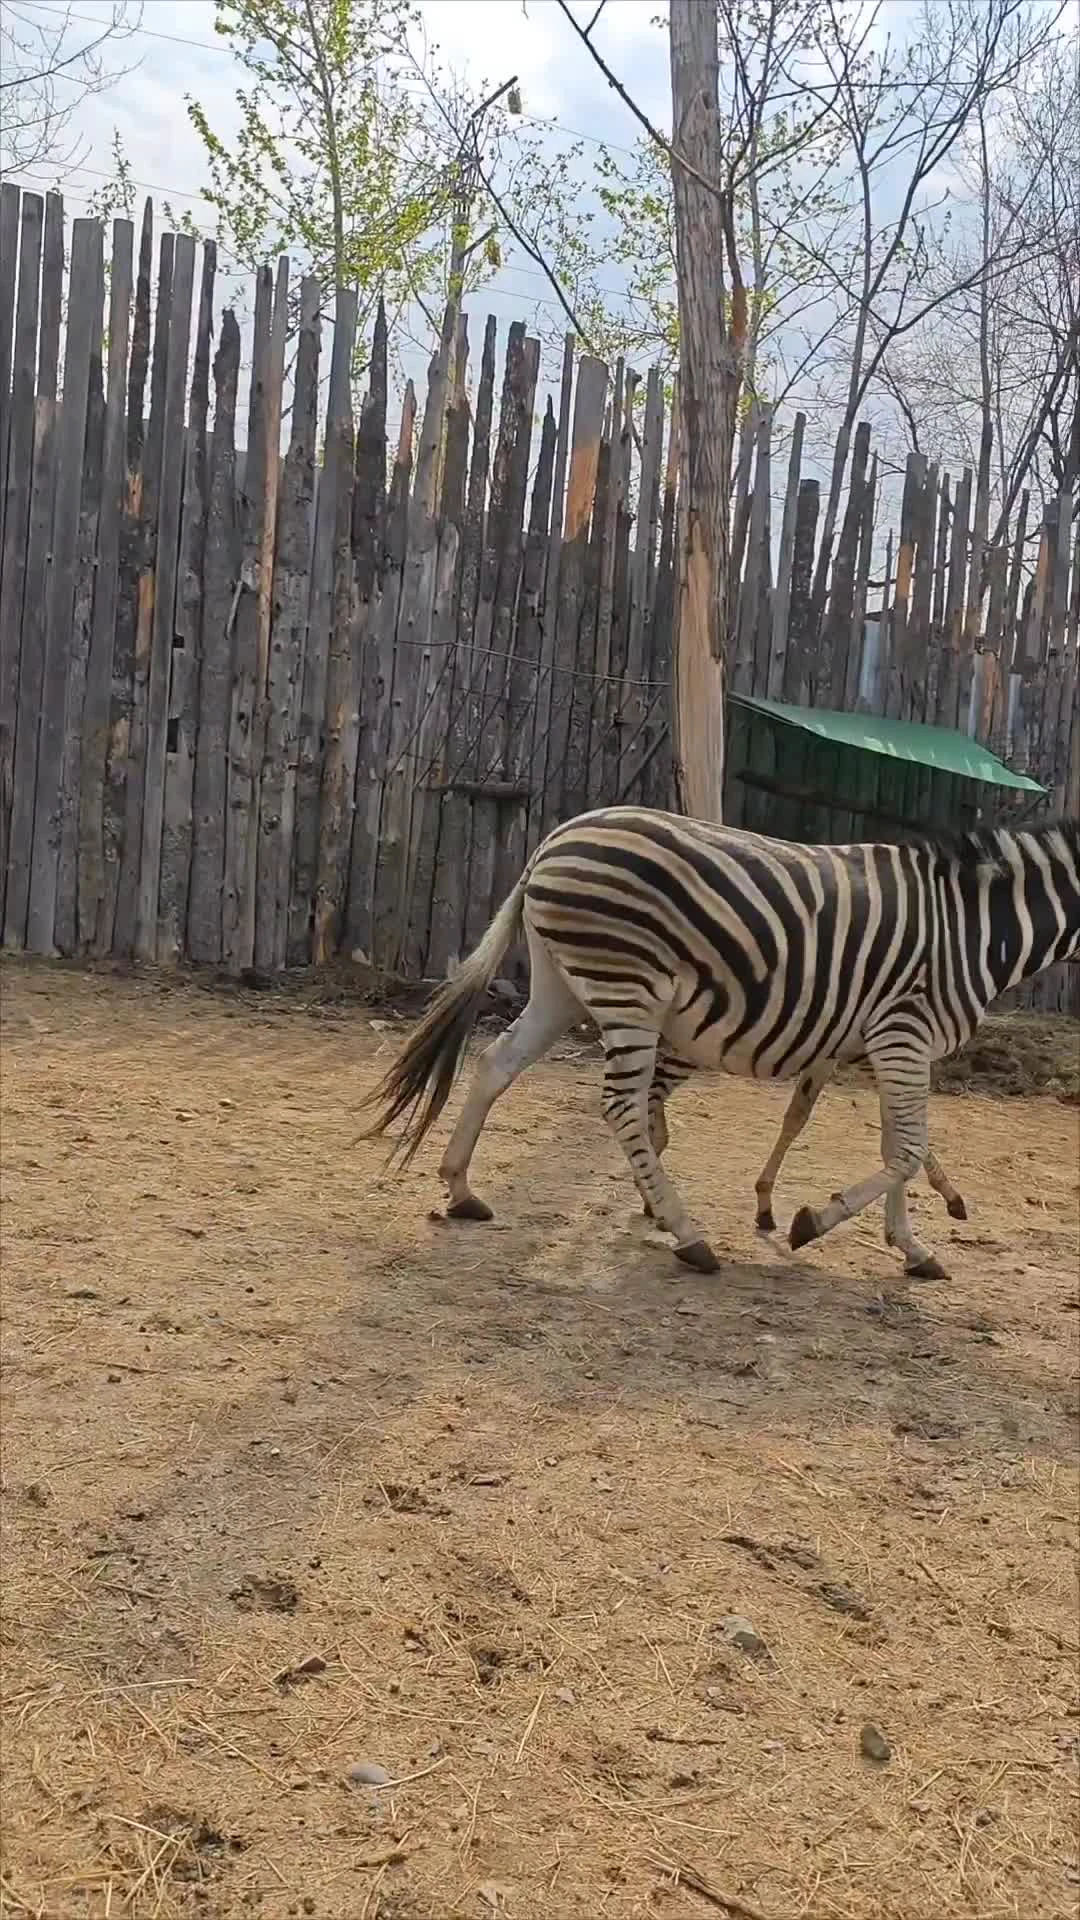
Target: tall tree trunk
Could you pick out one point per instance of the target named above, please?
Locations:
(980, 525)
(709, 372)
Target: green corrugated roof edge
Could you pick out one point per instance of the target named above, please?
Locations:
(938, 747)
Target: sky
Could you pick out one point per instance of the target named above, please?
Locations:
(176, 54)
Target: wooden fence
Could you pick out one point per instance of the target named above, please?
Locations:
(260, 706)
(964, 632)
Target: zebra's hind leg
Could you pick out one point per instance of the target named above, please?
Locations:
(900, 1055)
(802, 1104)
(552, 1008)
(939, 1180)
(670, 1072)
(629, 1066)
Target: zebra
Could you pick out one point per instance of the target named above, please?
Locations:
(691, 945)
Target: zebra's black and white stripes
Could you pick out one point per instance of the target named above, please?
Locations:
(697, 946)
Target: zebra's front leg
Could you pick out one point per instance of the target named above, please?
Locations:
(802, 1104)
(629, 1065)
(919, 1262)
(670, 1072)
(939, 1180)
(900, 1056)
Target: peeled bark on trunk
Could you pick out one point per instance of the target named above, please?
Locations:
(709, 385)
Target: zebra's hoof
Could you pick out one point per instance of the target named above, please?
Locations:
(699, 1255)
(956, 1208)
(930, 1269)
(804, 1228)
(469, 1209)
(765, 1220)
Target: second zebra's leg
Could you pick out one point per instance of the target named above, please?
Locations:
(802, 1104)
(670, 1072)
(629, 1066)
(899, 1053)
(939, 1180)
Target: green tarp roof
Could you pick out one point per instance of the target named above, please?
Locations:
(939, 747)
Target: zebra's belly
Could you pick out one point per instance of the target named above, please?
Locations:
(720, 1048)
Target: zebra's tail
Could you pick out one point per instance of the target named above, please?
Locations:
(419, 1081)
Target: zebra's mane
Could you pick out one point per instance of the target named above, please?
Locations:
(984, 846)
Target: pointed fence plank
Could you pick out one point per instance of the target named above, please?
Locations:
(798, 660)
(853, 676)
(432, 915)
(524, 670)
(412, 642)
(837, 632)
(507, 504)
(941, 560)
(148, 496)
(241, 828)
(95, 731)
(914, 480)
(433, 704)
(118, 771)
(16, 470)
(449, 897)
(575, 689)
(750, 665)
(291, 593)
(336, 475)
(607, 691)
(379, 679)
(948, 704)
(658, 773)
(544, 693)
(918, 634)
(638, 707)
(187, 632)
(35, 582)
(220, 594)
(589, 401)
(781, 608)
(86, 251)
(9, 247)
(343, 674)
(369, 531)
(86, 567)
(161, 644)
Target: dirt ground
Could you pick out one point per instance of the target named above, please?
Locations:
(298, 1478)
